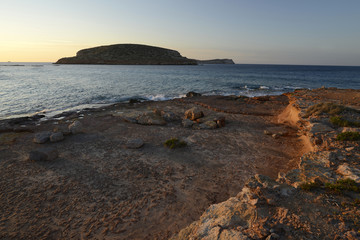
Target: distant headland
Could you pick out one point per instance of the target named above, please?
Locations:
(134, 54)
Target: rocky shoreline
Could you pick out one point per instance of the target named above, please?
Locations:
(261, 168)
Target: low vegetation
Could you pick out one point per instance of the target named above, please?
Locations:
(348, 136)
(339, 187)
(174, 143)
(340, 122)
(343, 185)
(310, 186)
(321, 108)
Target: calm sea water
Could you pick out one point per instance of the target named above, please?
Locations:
(28, 88)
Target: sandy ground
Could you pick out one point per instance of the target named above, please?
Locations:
(99, 189)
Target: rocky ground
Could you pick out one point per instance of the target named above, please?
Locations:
(320, 199)
(106, 174)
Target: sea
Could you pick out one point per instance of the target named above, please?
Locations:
(32, 88)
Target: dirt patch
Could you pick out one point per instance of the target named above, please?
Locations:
(99, 188)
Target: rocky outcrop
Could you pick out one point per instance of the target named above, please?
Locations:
(128, 54)
(216, 61)
(317, 200)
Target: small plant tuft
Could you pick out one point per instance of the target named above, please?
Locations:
(174, 143)
(348, 136)
(343, 185)
(310, 186)
(340, 122)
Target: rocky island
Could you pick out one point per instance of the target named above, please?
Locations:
(128, 54)
(199, 167)
(134, 54)
(216, 61)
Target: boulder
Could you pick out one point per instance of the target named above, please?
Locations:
(135, 143)
(193, 94)
(56, 137)
(220, 121)
(42, 137)
(76, 127)
(194, 113)
(134, 100)
(43, 154)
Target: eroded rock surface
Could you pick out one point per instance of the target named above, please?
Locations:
(307, 202)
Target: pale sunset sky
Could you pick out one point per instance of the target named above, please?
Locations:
(309, 32)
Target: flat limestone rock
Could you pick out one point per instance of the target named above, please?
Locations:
(206, 125)
(349, 172)
(320, 128)
(135, 143)
(151, 118)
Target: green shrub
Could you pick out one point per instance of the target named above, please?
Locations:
(348, 136)
(340, 122)
(174, 143)
(342, 185)
(320, 108)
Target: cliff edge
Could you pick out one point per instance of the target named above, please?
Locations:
(128, 54)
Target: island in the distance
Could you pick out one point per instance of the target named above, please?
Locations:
(134, 54)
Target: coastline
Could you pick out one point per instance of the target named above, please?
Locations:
(108, 189)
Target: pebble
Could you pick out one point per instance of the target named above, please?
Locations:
(275, 135)
(266, 132)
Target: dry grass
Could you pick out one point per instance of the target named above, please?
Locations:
(321, 108)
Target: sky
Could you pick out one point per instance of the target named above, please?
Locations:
(307, 32)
